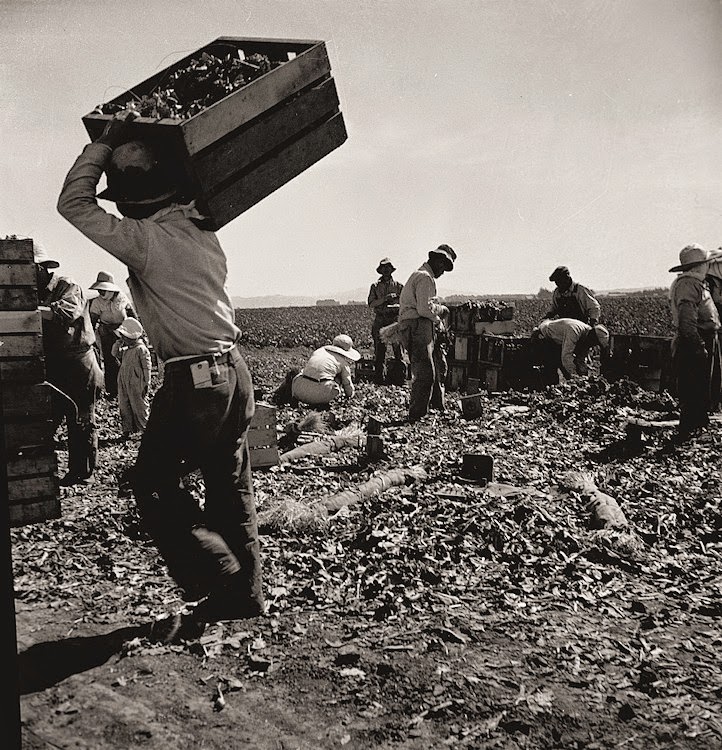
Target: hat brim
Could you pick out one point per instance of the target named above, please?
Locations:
(380, 269)
(351, 354)
(49, 263)
(109, 195)
(448, 263)
(105, 286)
(716, 255)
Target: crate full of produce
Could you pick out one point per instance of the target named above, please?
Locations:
(240, 117)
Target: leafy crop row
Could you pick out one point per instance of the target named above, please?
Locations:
(288, 327)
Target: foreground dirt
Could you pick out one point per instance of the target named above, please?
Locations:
(441, 614)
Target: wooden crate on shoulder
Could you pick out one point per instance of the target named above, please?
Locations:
(248, 144)
(29, 465)
(263, 437)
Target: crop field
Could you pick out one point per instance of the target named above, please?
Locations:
(288, 327)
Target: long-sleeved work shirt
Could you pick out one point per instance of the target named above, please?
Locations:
(69, 332)
(693, 310)
(377, 300)
(177, 271)
(324, 364)
(567, 332)
(110, 312)
(417, 298)
(575, 302)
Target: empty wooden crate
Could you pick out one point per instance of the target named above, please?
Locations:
(240, 149)
(263, 438)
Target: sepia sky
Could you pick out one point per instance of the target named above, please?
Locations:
(524, 133)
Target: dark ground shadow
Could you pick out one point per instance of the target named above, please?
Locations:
(45, 664)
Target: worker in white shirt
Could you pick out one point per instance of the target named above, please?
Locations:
(568, 343)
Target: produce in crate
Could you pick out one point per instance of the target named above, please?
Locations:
(239, 117)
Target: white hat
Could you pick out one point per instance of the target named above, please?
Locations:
(343, 344)
(40, 255)
(130, 328)
(105, 283)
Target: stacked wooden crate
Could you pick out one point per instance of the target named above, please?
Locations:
(646, 360)
(263, 437)
(29, 466)
(251, 142)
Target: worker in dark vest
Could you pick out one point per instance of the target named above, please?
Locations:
(572, 300)
(383, 299)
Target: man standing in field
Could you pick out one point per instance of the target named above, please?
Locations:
(695, 352)
(572, 300)
(200, 416)
(384, 301)
(420, 322)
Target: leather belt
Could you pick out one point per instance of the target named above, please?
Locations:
(316, 380)
(221, 358)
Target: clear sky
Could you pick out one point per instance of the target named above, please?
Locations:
(524, 133)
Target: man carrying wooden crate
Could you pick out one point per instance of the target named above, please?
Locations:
(200, 416)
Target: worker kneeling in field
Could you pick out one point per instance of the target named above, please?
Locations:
(327, 373)
(200, 416)
(567, 342)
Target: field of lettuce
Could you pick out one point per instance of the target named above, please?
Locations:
(288, 327)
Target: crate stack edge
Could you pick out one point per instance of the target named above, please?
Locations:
(263, 437)
(28, 454)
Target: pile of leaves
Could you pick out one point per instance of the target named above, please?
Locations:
(187, 90)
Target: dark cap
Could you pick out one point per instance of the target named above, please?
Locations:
(559, 272)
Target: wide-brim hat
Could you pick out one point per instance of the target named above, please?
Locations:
(136, 176)
(105, 283)
(692, 256)
(130, 328)
(445, 252)
(343, 345)
(41, 257)
(385, 262)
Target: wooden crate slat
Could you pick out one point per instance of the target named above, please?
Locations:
(22, 370)
(18, 274)
(20, 321)
(24, 400)
(256, 97)
(261, 436)
(18, 298)
(41, 510)
(277, 171)
(17, 250)
(22, 490)
(20, 436)
(16, 345)
(263, 457)
(268, 131)
(32, 464)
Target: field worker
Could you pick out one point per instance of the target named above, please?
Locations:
(70, 363)
(133, 357)
(420, 321)
(567, 343)
(327, 373)
(200, 415)
(695, 353)
(714, 283)
(384, 301)
(572, 300)
(107, 311)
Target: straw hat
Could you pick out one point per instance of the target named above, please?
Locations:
(130, 328)
(343, 344)
(692, 256)
(105, 283)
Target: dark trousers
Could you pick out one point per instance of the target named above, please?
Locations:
(110, 365)
(698, 380)
(428, 368)
(215, 547)
(79, 378)
(379, 346)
